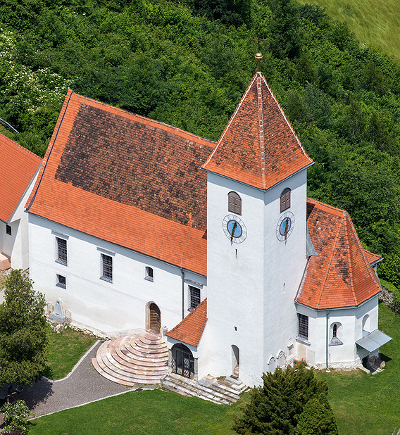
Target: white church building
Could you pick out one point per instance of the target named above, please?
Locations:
(137, 225)
(18, 170)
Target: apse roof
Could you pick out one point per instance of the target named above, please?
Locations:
(17, 168)
(340, 274)
(259, 146)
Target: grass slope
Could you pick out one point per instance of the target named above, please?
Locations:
(364, 403)
(65, 350)
(375, 22)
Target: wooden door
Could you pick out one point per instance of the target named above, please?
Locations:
(155, 318)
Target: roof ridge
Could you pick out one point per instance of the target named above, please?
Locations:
(362, 251)
(46, 157)
(284, 116)
(261, 129)
(330, 263)
(316, 201)
(21, 147)
(346, 215)
(144, 118)
(230, 121)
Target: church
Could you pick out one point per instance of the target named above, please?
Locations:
(137, 225)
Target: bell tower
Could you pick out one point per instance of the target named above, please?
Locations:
(256, 237)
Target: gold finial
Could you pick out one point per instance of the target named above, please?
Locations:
(259, 56)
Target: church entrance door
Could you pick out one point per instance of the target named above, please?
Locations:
(155, 318)
(182, 361)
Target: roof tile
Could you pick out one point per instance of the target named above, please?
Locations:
(340, 274)
(191, 328)
(258, 146)
(17, 168)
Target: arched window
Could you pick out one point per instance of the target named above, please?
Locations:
(336, 334)
(281, 359)
(366, 325)
(234, 203)
(285, 199)
(271, 365)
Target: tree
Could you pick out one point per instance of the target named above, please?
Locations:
(16, 417)
(281, 403)
(23, 331)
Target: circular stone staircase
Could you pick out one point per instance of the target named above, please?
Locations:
(132, 360)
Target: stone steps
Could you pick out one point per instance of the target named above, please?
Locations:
(132, 360)
(221, 391)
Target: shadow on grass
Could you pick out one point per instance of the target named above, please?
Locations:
(385, 357)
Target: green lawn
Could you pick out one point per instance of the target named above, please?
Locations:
(362, 403)
(375, 22)
(65, 350)
(140, 413)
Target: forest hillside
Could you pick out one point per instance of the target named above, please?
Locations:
(187, 63)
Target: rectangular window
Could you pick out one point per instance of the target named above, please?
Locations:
(149, 274)
(106, 264)
(61, 251)
(61, 281)
(303, 326)
(8, 230)
(194, 297)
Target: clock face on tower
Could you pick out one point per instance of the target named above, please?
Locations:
(234, 228)
(285, 226)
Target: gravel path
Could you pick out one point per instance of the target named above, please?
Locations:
(81, 386)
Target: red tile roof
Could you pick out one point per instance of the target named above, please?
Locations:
(128, 180)
(258, 146)
(17, 168)
(340, 275)
(191, 328)
(372, 258)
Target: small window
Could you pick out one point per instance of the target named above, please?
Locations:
(61, 251)
(234, 203)
(149, 274)
(107, 269)
(61, 281)
(194, 297)
(302, 326)
(8, 230)
(335, 341)
(285, 199)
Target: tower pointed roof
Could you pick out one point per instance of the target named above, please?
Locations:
(259, 146)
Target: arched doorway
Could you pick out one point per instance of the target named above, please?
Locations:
(235, 362)
(154, 317)
(182, 361)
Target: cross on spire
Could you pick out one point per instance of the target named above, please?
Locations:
(258, 55)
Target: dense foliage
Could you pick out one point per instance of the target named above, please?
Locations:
(188, 63)
(23, 331)
(290, 401)
(16, 418)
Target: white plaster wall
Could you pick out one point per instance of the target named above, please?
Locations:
(234, 284)
(16, 246)
(107, 307)
(285, 262)
(340, 356)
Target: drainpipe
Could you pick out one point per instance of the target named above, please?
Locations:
(327, 342)
(183, 293)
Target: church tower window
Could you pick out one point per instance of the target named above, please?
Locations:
(234, 203)
(285, 199)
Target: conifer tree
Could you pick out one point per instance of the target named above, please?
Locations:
(277, 406)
